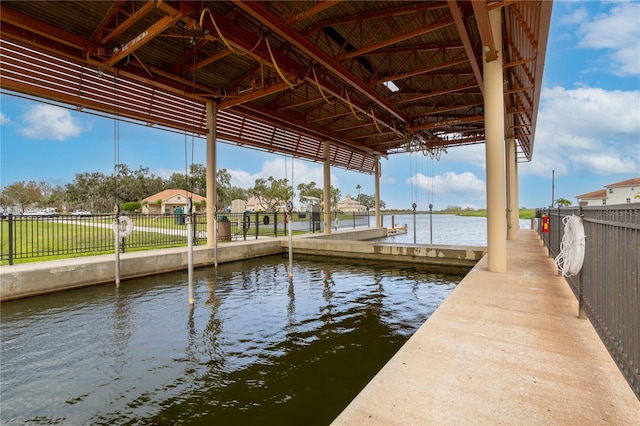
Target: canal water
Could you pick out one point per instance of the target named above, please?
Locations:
(443, 229)
(259, 348)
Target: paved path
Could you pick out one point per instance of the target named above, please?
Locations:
(504, 348)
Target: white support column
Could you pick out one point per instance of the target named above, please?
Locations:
(495, 156)
(377, 193)
(327, 187)
(212, 112)
(516, 197)
(512, 197)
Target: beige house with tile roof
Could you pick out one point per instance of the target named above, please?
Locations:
(624, 192)
(165, 202)
(349, 205)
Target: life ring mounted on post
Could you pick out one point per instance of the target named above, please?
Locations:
(571, 257)
(125, 226)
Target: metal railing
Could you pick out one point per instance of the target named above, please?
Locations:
(608, 286)
(31, 237)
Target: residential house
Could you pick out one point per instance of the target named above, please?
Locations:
(625, 192)
(349, 205)
(170, 199)
(255, 205)
(594, 198)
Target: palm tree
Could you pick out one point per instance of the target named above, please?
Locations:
(358, 187)
(563, 202)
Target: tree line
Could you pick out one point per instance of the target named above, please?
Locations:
(98, 192)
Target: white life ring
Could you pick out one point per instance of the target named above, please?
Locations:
(571, 257)
(125, 226)
(337, 222)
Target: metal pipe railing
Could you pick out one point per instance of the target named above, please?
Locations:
(608, 286)
(26, 237)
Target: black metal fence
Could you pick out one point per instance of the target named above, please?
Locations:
(33, 237)
(608, 286)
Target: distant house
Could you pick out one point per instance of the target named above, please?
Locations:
(349, 205)
(168, 200)
(624, 192)
(595, 198)
(255, 205)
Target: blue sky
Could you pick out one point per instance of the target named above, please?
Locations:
(588, 131)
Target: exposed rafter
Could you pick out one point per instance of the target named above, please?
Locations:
(263, 15)
(286, 76)
(484, 27)
(466, 42)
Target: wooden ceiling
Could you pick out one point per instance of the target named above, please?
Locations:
(285, 75)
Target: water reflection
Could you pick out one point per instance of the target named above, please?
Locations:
(259, 347)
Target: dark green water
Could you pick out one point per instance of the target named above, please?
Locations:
(258, 348)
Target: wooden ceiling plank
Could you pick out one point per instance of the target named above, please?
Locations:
(35, 26)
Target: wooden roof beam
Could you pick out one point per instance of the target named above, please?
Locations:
(47, 31)
(466, 41)
(421, 96)
(401, 10)
(264, 16)
(451, 108)
(144, 37)
(119, 29)
(446, 123)
(419, 71)
(314, 10)
(484, 28)
(208, 61)
(394, 40)
(252, 95)
(328, 117)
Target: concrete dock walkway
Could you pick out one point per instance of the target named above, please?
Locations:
(504, 348)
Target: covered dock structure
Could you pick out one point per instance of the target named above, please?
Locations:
(344, 83)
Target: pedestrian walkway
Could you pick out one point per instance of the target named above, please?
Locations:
(504, 348)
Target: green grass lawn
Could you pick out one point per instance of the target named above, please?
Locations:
(524, 213)
(38, 240)
(47, 239)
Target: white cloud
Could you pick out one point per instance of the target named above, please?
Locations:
(474, 154)
(605, 163)
(465, 185)
(303, 172)
(44, 121)
(165, 173)
(241, 178)
(578, 16)
(586, 129)
(4, 119)
(619, 32)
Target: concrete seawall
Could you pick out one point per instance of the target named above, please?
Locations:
(31, 279)
(427, 254)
